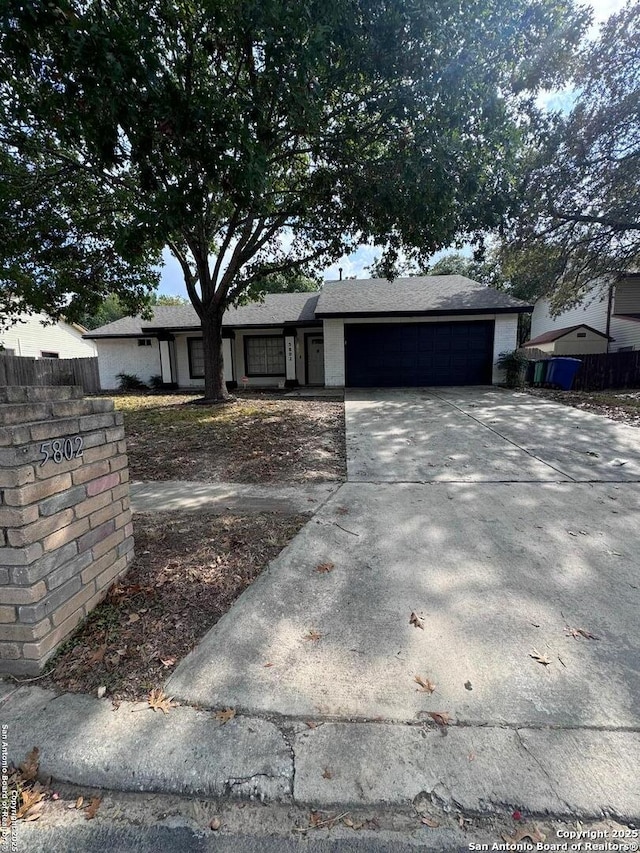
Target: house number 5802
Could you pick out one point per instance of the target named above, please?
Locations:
(62, 449)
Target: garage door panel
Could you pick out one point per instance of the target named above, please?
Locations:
(419, 354)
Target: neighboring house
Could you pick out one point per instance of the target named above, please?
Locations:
(424, 330)
(37, 337)
(574, 340)
(612, 310)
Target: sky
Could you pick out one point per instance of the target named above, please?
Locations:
(172, 282)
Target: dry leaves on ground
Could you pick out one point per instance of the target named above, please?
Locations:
(425, 686)
(215, 823)
(170, 439)
(29, 767)
(92, 809)
(416, 621)
(317, 821)
(580, 632)
(224, 716)
(159, 701)
(441, 718)
(327, 774)
(429, 821)
(533, 834)
(325, 568)
(32, 802)
(22, 783)
(539, 658)
(189, 569)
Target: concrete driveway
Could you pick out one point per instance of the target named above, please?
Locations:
(503, 521)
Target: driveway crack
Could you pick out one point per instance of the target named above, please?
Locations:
(545, 772)
(504, 437)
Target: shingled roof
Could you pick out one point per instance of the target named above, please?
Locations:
(428, 295)
(277, 309)
(556, 334)
(425, 294)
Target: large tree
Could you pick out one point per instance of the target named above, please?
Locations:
(256, 137)
(580, 217)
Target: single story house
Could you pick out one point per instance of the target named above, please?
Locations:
(36, 336)
(418, 331)
(611, 309)
(574, 340)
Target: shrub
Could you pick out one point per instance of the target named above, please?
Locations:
(156, 383)
(131, 382)
(515, 364)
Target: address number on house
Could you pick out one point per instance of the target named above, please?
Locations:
(62, 449)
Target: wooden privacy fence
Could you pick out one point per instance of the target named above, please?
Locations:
(601, 370)
(22, 370)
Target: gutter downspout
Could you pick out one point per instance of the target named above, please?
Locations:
(609, 307)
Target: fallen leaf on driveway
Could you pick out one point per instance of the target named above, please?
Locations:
(167, 662)
(442, 718)
(327, 774)
(533, 834)
(540, 658)
(32, 803)
(310, 724)
(426, 686)
(79, 802)
(267, 665)
(468, 685)
(429, 821)
(29, 767)
(92, 808)
(158, 701)
(416, 621)
(351, 824)
(572, 532)
(225, 716)
(580, 632)
(314, 636)
(215, 823)
(324, 568)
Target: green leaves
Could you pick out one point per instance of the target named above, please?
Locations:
(580, 214)
(265, 137)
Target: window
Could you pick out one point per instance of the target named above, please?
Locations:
(46, 354)
(581, 335)
(144, 342)
(196, 358)
(264, 356)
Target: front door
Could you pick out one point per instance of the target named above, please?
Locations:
(315, 360)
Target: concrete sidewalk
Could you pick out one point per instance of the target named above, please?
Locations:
(167, 495)
(503, 522)
(475, 770)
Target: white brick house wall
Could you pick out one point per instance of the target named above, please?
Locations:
(334, 369)
(123, 355)
(505, 339)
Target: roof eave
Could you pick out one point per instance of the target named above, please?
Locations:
(440, 312)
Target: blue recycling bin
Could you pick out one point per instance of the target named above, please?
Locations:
(562, 371)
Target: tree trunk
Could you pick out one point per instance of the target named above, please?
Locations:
(215, 388)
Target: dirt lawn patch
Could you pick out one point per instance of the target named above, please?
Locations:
(188, 571)
(258, 438)
(622, 405)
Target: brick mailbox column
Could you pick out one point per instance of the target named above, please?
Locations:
(65, 521)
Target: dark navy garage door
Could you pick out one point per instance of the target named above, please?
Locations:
(411, 354)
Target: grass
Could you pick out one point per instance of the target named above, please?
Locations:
(257, 438)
